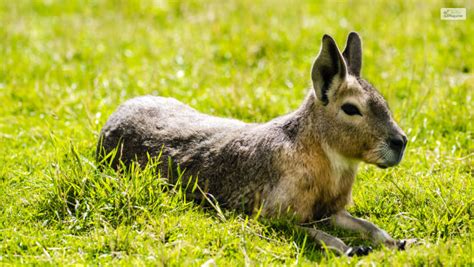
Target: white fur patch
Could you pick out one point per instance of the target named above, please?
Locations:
(339, 163)
(352, 81)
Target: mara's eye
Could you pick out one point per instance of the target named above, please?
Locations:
(351, 110)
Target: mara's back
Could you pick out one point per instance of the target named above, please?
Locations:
(232, 160)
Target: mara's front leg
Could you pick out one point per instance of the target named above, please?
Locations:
(346, 221)
(335, 244)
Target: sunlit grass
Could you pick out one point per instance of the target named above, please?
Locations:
(66, 65)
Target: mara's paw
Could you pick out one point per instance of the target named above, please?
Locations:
(405, 243)
(400, 244)
(358, 251)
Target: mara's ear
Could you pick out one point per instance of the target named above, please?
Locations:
(353, 53)
(328, 67)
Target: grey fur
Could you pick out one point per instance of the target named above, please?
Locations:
(234, 160)
(302, 164)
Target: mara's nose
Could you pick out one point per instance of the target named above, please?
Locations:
(398, 142)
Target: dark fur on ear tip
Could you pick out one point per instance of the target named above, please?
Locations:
(353, 35)
(328, 38)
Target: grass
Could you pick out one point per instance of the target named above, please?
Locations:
(66, 65)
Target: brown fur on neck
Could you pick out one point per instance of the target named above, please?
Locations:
(316, 180)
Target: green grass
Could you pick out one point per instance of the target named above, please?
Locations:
(66, 65)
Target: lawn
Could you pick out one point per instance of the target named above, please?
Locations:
(66, 65)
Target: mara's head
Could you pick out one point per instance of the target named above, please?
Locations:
(357, 121)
